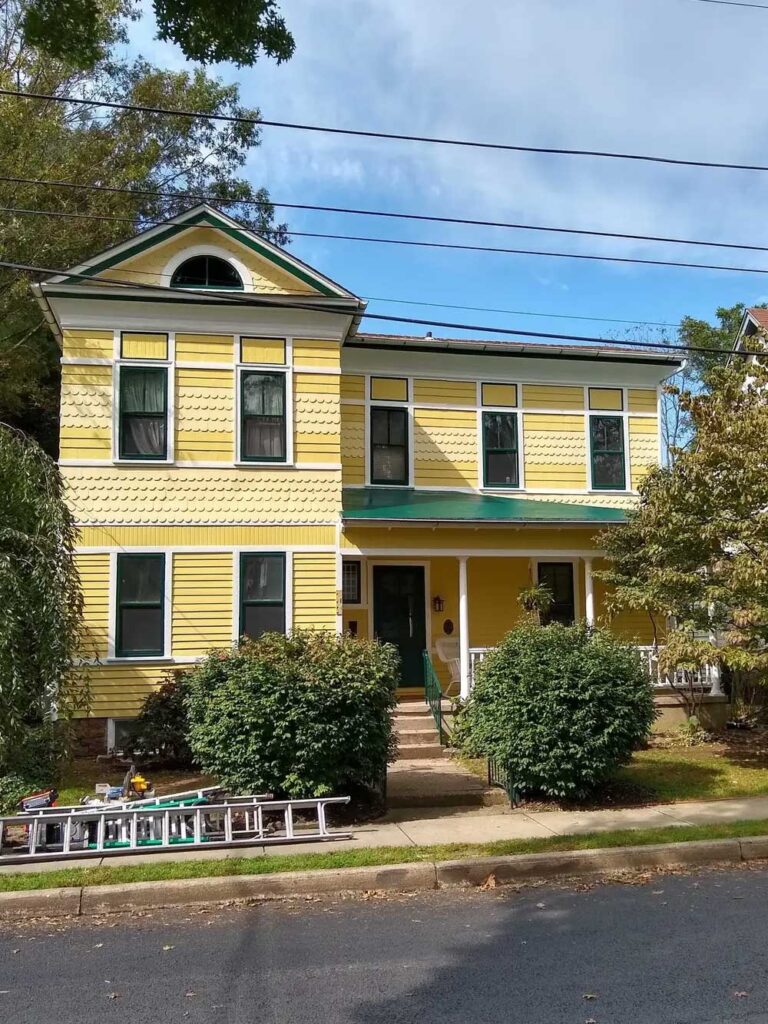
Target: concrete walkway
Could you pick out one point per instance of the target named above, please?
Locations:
(457, 825)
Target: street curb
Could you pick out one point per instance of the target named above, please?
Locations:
(415, 877)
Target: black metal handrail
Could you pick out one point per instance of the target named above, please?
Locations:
(498, 775)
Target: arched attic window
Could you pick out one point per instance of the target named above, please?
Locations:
(206, 272)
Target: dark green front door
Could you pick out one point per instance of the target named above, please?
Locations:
(399, 617)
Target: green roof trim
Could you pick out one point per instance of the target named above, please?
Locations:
(402, 504)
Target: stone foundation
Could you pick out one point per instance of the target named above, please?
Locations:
(90, 736)
(713, 713)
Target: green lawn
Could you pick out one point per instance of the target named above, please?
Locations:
(164, 870)
(708, 772)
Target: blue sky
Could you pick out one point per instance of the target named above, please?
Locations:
(667, 77)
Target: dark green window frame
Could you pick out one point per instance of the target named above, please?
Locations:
(125, 373)
(209, 260)
(252, 602)
(596, 450)
(158, 604)
(244, 374)
(400, 411)
(351, 581)
(488, 451)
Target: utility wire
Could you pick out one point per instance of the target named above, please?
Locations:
(269, 302)
(197, 197)
(733, 3)
(463, 247)
(392, 136)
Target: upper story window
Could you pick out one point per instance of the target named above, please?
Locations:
(606, 437)
(389, 445)
(500, 450)
(206, 272)
(262, 417)
(143, 425)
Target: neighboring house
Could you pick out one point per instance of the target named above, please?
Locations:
(240, 459)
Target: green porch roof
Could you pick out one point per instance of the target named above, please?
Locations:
(401, 504)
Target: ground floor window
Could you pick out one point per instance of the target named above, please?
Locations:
(140, 631)
(557, 577)
(262, 594)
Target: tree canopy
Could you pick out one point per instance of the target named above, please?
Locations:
(84, 145)
(695, 551)
(41, 629)
(78, 30)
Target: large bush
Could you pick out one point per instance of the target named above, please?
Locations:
(161, 729)
(560, 707)
(303, 715)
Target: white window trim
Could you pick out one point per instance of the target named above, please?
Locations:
(623, 414)
(383, 403)
(517, 412)
(112, 656)
(286, 369)
(363, 602)
(207, 250)
(170, 415)
(237, 553)
(578, 612)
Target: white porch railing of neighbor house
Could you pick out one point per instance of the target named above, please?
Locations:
(707, 678)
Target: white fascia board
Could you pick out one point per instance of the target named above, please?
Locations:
(81, 311)
(462, 366)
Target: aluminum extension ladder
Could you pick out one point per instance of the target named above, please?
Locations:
(162, 824)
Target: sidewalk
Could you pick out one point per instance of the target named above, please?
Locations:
(481, 825)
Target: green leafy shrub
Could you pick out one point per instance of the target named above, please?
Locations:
(560, 706)
(161, 729)
(303, 715)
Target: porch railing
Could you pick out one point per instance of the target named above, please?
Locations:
(707, 678)
(433, 694)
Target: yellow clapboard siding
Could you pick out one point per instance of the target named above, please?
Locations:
(445, 392)
(204, 446)
(204, 378)
(555, 451)
(606, 398)
(503, 395)
(93, 570)
(317, 448)
(316, 384)
(143, 346)
(353, 386)
(118, 691)
(85, 375)
(202, 602)
(552, 396)
(642, 400)
(493, 586)
(205, 348)
(554, 477)
(316, 353)
(254, 537)
(85, 448)
(262, 350)
(643, 447)
(314, 591)
(389, 389)
(87, 344)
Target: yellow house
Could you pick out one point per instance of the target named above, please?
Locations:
(240, 458)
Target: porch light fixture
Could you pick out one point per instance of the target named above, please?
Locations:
(438, 603)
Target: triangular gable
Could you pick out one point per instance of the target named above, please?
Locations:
(280, 271)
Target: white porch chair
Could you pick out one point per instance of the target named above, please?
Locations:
(447, 648)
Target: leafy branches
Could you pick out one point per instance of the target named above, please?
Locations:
(41, 629)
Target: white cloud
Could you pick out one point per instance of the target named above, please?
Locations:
(665, 77)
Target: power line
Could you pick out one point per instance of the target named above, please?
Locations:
(524, 312)
(392, 136)
(463, 247)
(733, 3)
(396, 215)
(270, 302)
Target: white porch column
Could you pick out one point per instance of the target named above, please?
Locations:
(715, 678)
(463, 627)
(589, 593)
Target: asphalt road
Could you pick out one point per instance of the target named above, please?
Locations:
(671, 949)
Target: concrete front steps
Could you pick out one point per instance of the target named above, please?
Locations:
(425, 774)
(417, 737)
